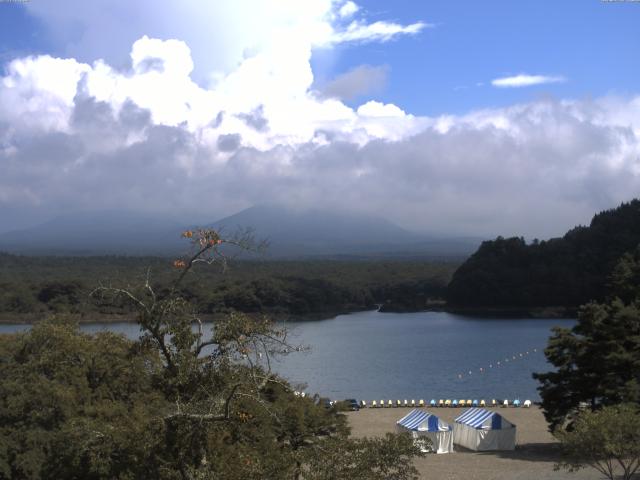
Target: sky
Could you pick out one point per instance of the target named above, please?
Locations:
(459, 118)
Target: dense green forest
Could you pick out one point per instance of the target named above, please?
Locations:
(565, 272)
(31, 287)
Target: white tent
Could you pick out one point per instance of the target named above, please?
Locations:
(480, 429)
(423, 424)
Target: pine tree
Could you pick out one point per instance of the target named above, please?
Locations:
(598, 360)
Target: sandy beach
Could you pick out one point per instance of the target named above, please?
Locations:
(534, 457)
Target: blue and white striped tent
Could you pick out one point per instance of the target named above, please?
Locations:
(422, 424)
(480, 429)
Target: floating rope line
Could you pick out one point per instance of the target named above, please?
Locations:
(499, 363)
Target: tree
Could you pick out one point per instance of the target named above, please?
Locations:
(389, 458)
(564, 272)
(179, 403)
(77, 406)
(598, 360)
(624, 282)
(607, 440)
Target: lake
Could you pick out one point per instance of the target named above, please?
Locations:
(372, 355)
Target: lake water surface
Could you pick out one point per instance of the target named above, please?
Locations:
(371, 355)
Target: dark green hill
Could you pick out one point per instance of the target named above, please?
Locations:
(567, 271)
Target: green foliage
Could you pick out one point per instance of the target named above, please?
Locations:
(76, 406)
(567, 271)
(607, 440)
(178, 404)
(41, 285)
(598, 360)
(625, 279)
(365, 459)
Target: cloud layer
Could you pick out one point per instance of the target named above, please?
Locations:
(82, 136)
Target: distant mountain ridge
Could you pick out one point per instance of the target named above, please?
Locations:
(291, 234)
(317, 227)
(567, 271)
(106, 232)
(308, 233)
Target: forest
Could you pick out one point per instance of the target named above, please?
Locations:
(32, 287)
(560, 272)
(505, 274)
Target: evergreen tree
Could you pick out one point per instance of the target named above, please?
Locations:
(598, 360)
(562, 272)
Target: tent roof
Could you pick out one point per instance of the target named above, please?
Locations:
(481, 418)
(423, 421)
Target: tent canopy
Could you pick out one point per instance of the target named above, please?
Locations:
(423, 422)
(480, 430)
(424, 425)
(480, 418)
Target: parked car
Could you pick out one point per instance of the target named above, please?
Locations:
(326, 403)
(352, 404)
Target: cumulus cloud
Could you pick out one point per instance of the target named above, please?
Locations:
(377, 109)
(220, 34)
(359, 81)
(525, 80)
(255, 119)
(148, 137)
(229, 142)
(348, 9)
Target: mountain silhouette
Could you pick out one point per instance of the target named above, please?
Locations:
(290, 233)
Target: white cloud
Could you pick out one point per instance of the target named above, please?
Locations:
(84, 133)
(348, 9)
(220, 34)
(358, 31)
(377, 109)
(525, 80)
(532, 169)
(39, 91)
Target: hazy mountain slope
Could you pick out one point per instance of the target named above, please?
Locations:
(291, 234)
(91, 233)
(316, 232)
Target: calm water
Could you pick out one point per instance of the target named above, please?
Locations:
(371, 355)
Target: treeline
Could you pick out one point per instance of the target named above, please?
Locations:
(31, 287)
(566, 272)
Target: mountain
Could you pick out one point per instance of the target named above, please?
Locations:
(309, 233)
(291, 234)
(567, 271)
(106, 232)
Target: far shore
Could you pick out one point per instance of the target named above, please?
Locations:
(8, 318)
(93, 318)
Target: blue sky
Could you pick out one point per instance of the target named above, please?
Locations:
(448, 68)
(468, 117)
(593, 44)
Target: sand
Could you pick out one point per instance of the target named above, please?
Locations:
(534, 457)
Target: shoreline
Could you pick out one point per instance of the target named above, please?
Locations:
(494, 312)
(95, 318)
(506, 313)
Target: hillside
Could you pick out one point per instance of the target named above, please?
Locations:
(321, 233)
(566, 271)
(91, 233)
(292, 234)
